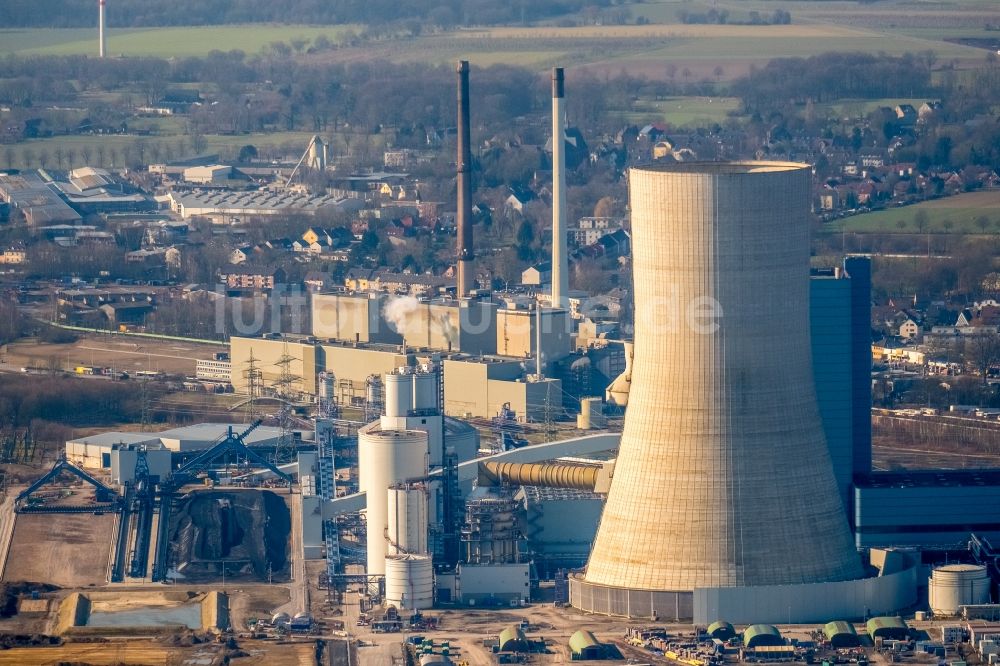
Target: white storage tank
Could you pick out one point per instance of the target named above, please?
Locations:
(398, 392)
(954, 585)
(407, 519)
(409, 581)
(425, 389)
(386, 458)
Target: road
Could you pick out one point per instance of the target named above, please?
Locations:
(298, 589)
(7, 518)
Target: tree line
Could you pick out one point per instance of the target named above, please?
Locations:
(142, 13)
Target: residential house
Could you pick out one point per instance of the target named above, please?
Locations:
(14, 255)
(928, 110)
(251, 279)
(241, 255)
(518, 197)
(910, 329)
(537, 274)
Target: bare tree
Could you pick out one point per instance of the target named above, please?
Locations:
(982, 351)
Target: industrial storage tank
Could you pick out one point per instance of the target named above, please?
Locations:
(954, 585)
(386, 458)
(425, 389)
(723, 477)
(409, 581)
(462, 438)
(591, 414)
(398, 392)
(407, 519)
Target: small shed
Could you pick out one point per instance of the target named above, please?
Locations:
(512, 639)
(722, 630)
(888, 627)
(757, 635)
(841, 634)
(584, 645)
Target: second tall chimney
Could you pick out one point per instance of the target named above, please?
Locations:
(560, 267)
(465, 252)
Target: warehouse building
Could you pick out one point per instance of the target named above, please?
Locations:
(116, 452)
(37, 199)
(230, 207)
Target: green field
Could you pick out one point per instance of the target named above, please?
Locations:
(163, 42)
(697, 48)
(684, 111)
(962, 212)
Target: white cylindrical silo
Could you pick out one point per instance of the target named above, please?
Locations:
(409, 581)
(407, 519)
(398, 393)
(425, 390)
(954, 585)
(386, 458)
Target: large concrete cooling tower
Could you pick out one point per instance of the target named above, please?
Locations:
(723, 477)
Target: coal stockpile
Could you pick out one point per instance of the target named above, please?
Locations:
(243, 532)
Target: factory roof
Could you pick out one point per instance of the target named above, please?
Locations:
(925, 479)
(112, 438)
(40, 201)
(186, 438)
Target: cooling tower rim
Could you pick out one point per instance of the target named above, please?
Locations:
(736, 168)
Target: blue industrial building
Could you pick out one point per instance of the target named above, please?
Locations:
(897, 508)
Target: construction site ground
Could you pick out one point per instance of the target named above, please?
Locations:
(65, 549)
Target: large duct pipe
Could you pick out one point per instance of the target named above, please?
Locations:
(465, 253)
(549, 475)
(102, 40)
(560, 266)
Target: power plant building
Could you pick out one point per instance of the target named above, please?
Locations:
(724, 485)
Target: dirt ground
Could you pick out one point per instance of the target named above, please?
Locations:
(69, 550)
(121, 353)
(276, 654)
(254, 601)
(134, 653)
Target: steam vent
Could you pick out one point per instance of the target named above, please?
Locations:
(723, 478)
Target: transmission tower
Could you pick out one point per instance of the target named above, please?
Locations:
(284, 450)
(254, 379)
(144, 402)
(283, 384)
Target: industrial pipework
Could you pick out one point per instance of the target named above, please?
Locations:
(465, 253)
(549, 475)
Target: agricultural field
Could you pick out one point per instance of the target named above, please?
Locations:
(698, 50)
(163, 42)
(958, 214)
(684, 111)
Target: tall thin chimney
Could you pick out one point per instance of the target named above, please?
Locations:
(465, 253)
(102, 48)
(560, 267)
